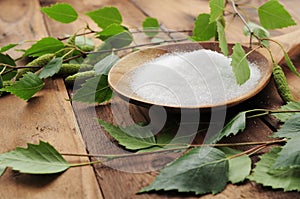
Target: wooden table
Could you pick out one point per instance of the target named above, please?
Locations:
(72, 128)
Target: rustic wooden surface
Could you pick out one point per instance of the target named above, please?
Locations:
(49, 117)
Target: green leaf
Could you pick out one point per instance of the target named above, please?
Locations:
(6, 59)
(222, 38)
(258, 30)
(1, 82)
(99, 54)
(290, 129)
(239, 167)
(2, 169)
(104, 66)
(120, 40)
(35, 159)
(289, 106)
(84, 41)
(44, 46)
(10, 75)
(26, 87)
(240, 64)
(95, 89)
(106, 16)
(110, 31)
(61, 12)
(7, 47)
(290, 64)
(273, 15)
(131, 138)
(289, 156)
(235, 125)
(201, 170)
(166, 137)
(151, 26)
(168, 141)
(288, 181)
(51, 68)
(203, 30)
(216, 9)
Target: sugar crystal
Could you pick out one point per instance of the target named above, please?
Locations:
(195, 78)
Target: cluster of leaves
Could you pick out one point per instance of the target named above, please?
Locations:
(272, 15)
(207, 169)
(81, 62)
(77, 59)
(201, 169)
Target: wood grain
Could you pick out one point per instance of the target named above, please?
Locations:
(50, 118)
(20, 23)
(128, 11)
(47, 116)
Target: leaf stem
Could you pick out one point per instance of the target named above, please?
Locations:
(258, 115)
(85, 163)
(2, 71)
(68, 53)
(273, 111)
(268, 111)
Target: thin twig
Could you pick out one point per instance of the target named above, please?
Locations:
(245, 23)
(250, 151)
(131, 31)
(124, 155)
(239, 15)
(20, 67)
(2, 71)
(136, 46)
(175, 149)
(243, 20)
(164, 31)
(80, 34)
(71, 58)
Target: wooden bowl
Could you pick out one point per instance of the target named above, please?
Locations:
(120, 76)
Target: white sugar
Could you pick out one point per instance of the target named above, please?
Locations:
(194, 78)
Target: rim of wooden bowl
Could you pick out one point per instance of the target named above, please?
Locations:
(119, 77)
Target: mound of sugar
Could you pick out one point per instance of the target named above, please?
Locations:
(196, 78)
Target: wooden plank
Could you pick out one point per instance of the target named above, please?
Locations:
(23, 25)
(60, 30)
(119, 178)
(47, 116)
(293, 80)
(180, 15)
(124, 176)
(98, 141)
